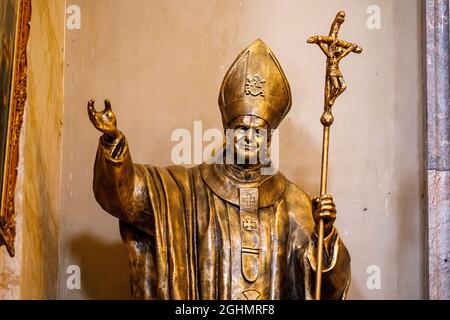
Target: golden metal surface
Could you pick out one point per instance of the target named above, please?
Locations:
(335, 50)
(221, 231)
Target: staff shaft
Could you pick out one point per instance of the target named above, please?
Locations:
(323, 191)
(334, 87)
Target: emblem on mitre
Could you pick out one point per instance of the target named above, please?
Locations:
(254, 85)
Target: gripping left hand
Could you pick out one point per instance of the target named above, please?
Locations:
(324, 208)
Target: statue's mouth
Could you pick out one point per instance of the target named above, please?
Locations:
(251, 148)
(248, 147)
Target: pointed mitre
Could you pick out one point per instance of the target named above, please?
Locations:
(255, 85)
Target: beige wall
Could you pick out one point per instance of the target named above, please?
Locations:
(33, 273)
(161, 64)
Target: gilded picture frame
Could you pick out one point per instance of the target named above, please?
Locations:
(14, 31)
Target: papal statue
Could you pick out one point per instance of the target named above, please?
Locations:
(222, 230)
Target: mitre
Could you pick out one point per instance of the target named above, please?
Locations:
(255, 85)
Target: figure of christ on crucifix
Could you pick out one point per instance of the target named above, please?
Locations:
(335, 50)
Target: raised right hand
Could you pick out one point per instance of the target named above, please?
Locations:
(104, 121)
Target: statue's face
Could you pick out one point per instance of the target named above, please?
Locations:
(251, 137)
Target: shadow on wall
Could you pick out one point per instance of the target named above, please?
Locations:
(104, 267)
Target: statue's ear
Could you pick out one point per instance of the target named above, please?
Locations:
(269, 136)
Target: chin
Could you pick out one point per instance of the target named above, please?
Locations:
(251, 157)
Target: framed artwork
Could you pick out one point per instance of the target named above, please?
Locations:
(14, 30)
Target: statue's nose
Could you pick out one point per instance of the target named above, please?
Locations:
(249, 135)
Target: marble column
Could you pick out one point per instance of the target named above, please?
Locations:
(438, 147)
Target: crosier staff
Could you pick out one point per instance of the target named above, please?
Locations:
(335, 50)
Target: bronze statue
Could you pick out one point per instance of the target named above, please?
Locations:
(222, 231)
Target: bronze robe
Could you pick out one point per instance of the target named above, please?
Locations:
(182, 232)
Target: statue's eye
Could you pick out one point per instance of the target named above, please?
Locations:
(261, 132)
(240, 131)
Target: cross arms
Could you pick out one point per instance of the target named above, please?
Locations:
(328, 40)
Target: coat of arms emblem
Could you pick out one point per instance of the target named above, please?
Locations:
(255, 85)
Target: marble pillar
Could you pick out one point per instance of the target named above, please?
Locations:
(438, 147)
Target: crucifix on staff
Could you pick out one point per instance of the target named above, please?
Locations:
(335, 49)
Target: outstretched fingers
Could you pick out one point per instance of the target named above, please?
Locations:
(91, 108)
(91, 104)
(107, 105)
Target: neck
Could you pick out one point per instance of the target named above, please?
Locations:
(247, 173)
